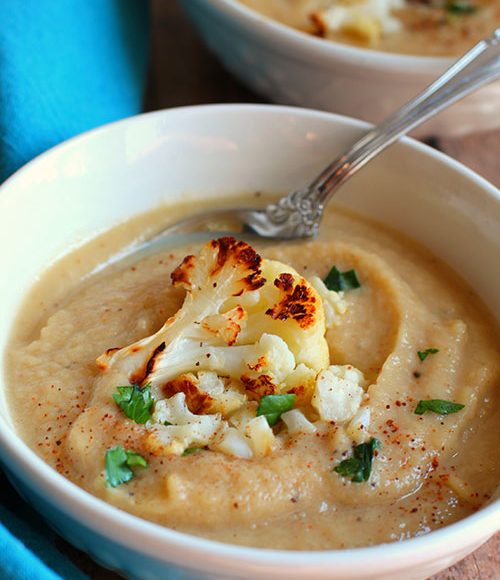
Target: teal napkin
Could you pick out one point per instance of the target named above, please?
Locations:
(67, 66)
(28, 547)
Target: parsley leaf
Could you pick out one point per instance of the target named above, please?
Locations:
(191, 450)
(359, 466)
(460, 7)
(135, 460)
(337, 280)
(438, 406)
(135, 402)
(119, 463)
(423, 354)
(272, 406)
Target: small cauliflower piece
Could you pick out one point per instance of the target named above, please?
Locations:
(233, 442)
(358, 426)
(338, 393)
(367, 20)
(205, 393)
(359, 24)
(272, 357)
(296, 422)
(243, 415)
(333, 302)
(225, 399)
(261, 435)
(301, 382)
(183, 429)
(174, 410)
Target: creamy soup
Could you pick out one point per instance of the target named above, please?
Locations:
(423, 27)
(388, 415)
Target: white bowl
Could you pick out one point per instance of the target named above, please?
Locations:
(294, 68)
(87, 185)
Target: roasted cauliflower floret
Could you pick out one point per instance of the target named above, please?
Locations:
(338, 393)
(224, 268)
(248, 328)
(242, 317)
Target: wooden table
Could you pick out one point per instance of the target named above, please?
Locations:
(183, 72)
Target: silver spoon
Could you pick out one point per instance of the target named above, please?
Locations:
(298, 214)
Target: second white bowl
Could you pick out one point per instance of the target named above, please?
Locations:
(293, 68)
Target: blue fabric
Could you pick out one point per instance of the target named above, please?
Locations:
(28, 547)
(67, 66)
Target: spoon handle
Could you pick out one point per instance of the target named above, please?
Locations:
(478, 67)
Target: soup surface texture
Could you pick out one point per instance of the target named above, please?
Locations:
(365, 470)
(423, 27)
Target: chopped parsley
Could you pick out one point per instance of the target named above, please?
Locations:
(191, 450)
(119, 464)
(337, 280)
(423, 354)
(438, 406)
(135, 402)
(359, 466)
(273, 406)
(460, 7)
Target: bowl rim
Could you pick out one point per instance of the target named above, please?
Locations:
(101, 517)
(294, 39)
